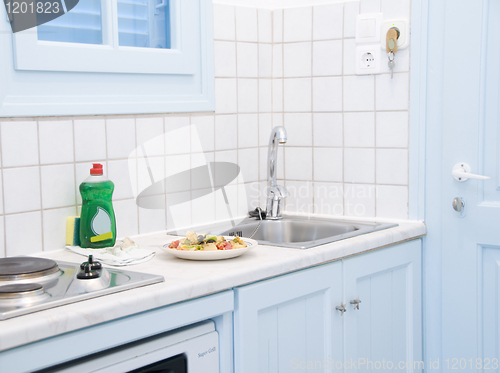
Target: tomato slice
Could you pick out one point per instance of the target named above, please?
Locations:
(174, 244)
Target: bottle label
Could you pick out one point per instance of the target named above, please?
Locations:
(101, 226)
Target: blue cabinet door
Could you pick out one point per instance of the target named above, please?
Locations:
(289, 322)
(387, 328)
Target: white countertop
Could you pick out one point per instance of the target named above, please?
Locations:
(187, 280)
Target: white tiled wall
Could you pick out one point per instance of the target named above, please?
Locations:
(348, 134)
(347, 150)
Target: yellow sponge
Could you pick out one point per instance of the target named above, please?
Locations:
(73, 231)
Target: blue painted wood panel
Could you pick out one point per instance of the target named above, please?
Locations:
(387, 328)
(290, 321)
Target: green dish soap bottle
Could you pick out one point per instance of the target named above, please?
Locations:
(97, 220)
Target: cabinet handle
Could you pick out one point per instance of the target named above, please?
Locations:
(356, 303)
(341, 308)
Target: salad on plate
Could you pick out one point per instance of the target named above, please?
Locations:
(205, 242)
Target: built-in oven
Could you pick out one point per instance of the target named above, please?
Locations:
(193, 349)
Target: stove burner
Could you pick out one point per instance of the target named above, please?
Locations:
(20, 290)
(19, 268)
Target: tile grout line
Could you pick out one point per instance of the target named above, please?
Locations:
(3, 197)
(40, 181)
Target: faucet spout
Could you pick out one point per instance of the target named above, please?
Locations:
(275, 193)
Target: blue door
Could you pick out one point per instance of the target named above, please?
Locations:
(462, 252)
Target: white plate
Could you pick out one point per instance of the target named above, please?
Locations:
(212, 255)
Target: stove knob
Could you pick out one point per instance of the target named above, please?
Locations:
(93, 264)
(87, 273)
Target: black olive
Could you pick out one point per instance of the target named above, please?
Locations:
(210, 240)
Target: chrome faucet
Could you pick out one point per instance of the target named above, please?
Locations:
(275, 193)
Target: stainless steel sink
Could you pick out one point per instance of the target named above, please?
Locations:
(296, 231)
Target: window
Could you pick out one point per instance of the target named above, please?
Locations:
(112, 57)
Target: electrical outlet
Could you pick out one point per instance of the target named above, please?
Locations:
(368, 59)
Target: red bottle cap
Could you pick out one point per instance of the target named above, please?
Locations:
(97, 169)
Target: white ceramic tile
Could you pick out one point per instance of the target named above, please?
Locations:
(359, 165)
(359, 93)
(18, 242)
(248, 160)
(297, 94)
(120, 137)
(359, 130)
(298, 163)
(58, 185)
(277, 95)
(327, 94)
(263, 163)
(327, 58)
(54, 227)
(246, 24)
(249, 195)
(225, 96)
(300, 198)
(327, 129)
(2, 238)
(150, 135)
(351, 10)
(248, 65)
(127, 223)
(349, 56)
(177, 135)
(224, 22)
(224, 212)
(21, 189)
(203, 130)
(82, 172)
(199, 180)
(152, 220)
(369, 6)
(328, 164)
(299, 129)
(177, 174)
(225, 59)
(278, 25)
(265, 60)
(248, 96)
(265, 18)
(1, 197)
(56, 141)
(226, 132)
(328, 21)
(392, 129)
(328, 198)
(265, 128)
(277, 119)
(297, 24)
(359, 200)
(202, 207)
(392, 202)
(150, 176)
(392, 166)
(297, 57)
(265, 95)
(118, 172)
(90, 140)
(19, 144)
(277, 60)
(248, 130)
(224, 174)
(178, 210)
(393, 94)
(395, 9)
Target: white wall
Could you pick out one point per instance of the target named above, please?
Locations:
(277, 4)
(347, 135)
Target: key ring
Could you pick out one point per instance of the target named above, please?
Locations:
(390, 56)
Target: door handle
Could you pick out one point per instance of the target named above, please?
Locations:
(461, 172)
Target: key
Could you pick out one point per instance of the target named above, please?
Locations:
(391, 64)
